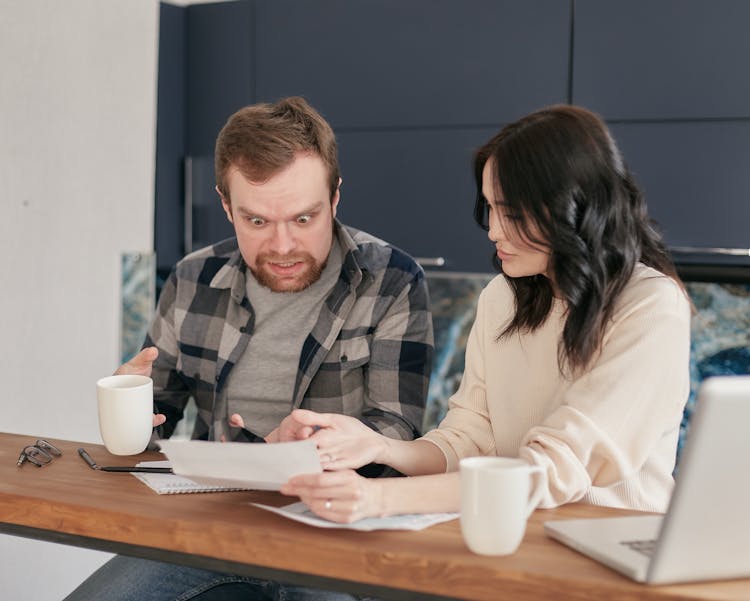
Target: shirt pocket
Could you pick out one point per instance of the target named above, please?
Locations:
(347, 354)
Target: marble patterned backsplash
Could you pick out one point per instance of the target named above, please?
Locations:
(453, 299)
(720, 338)
(137, 301)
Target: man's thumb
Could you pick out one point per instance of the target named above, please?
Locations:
(311, 418)
(236, 420)
(146, 356)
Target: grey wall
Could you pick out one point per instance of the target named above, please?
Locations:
(77, 127)
(411, 88)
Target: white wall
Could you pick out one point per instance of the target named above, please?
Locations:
(77, 138)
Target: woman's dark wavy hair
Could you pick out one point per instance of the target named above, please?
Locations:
(559, 170)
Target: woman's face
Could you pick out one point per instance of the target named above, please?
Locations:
(520, 257)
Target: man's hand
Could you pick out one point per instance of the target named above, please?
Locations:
(287, 430)
(141, 365)
(236, 421)
(290, 429)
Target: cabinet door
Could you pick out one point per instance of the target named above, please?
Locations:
(416, 190)
(415, 63)
(696, 179)
(220, 68)
(169, 227)
(205, 219)
(641, 59)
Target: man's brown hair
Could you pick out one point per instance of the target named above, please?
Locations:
(262, 139)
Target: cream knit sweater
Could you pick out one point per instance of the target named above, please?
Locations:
(607, 437)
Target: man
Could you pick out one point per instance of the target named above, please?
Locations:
(296, 311)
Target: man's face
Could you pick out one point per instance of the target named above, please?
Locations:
(284, 225)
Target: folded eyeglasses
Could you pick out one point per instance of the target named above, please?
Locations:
(40, 453)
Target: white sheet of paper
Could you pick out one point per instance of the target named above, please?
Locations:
(240, 464)
(301, 513)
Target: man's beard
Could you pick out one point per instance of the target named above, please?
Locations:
(265, 277)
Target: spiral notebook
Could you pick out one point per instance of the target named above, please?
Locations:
(172, 484)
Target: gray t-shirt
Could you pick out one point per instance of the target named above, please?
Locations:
(261, 384)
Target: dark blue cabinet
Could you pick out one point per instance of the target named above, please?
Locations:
(415, 63)
(696, 178)
(220, 68)
(662, 59)
(413, 87)
(416, 189)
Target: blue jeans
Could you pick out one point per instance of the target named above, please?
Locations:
(132, 579)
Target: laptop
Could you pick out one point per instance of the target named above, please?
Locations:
(705, 533)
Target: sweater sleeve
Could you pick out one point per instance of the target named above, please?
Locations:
(614, 415)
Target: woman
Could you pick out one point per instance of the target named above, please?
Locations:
(577, 360)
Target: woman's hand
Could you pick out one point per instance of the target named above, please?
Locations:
(342, 496)
(343, 441)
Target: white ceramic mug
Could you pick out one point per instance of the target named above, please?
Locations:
(126, 413)
(496, 501)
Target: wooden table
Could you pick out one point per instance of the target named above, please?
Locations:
(67, 502)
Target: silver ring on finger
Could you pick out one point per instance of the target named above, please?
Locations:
(328, 504)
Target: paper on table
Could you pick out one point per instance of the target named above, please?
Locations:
(301, 513)
(242, 465)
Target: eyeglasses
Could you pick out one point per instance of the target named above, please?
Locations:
(40, 453)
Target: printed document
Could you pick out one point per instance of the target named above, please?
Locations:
(255, 466)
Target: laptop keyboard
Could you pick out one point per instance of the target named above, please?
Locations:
(642, 546)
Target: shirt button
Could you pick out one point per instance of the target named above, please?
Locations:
(344, 358)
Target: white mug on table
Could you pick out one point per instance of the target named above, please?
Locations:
(126, 408)
(497, 498)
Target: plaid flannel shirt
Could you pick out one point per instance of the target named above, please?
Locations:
(369, 355)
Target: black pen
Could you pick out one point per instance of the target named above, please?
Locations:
(120, 468)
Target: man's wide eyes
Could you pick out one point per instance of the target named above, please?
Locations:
(259, 221)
